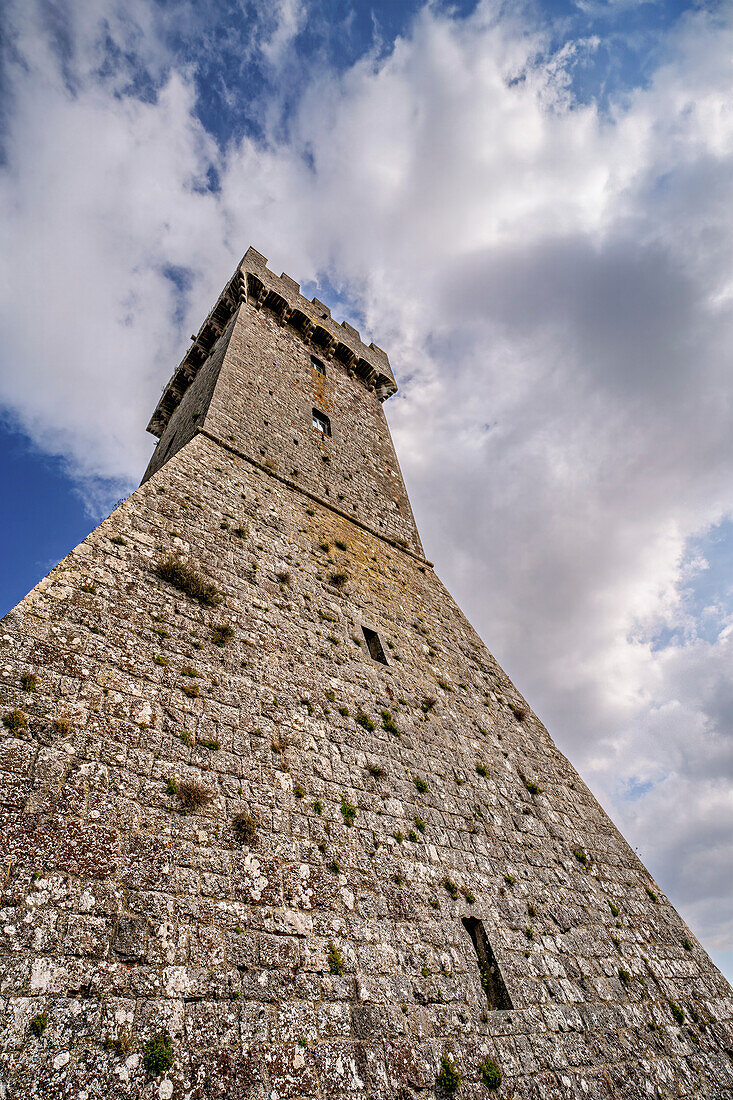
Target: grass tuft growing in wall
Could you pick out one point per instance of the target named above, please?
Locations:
(192, 795)
(245, 826)
(221, 634)
(175, 571)
(15, 721)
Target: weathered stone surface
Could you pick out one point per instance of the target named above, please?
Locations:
(320, 951)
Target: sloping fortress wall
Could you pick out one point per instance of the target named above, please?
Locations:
(274, 823)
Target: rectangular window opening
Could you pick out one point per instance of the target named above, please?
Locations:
(374, 645)
(492, 982)
(318, 365)
(321, 422)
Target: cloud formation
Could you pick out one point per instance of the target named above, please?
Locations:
(551, 279)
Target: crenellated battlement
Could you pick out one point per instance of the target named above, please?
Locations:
(255, 284)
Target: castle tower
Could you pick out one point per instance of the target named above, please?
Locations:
(273, 821)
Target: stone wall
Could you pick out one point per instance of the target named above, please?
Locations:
(322, 953)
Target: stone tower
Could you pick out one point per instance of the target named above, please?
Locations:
(274, 822)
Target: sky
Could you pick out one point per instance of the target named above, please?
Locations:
(528, 205)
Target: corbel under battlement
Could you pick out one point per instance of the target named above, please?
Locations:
(254, 283)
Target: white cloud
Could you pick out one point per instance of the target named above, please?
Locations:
(553, 286)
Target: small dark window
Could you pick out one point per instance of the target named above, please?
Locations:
(318, 365)
(374, 645)
(321, 421)
(491, 979)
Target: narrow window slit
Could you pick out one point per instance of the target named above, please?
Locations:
(374, 645)
(321, 422)
(491, 979)
(317, 365)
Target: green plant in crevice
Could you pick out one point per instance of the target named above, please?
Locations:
(158, 1054)
(38, 1024)
(449, 1078)
(28, 682)
(529, 785)
(335, 960)
(348, 811)
(490, 1074)
(388, 723)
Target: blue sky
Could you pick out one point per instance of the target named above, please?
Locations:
(528, 206)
